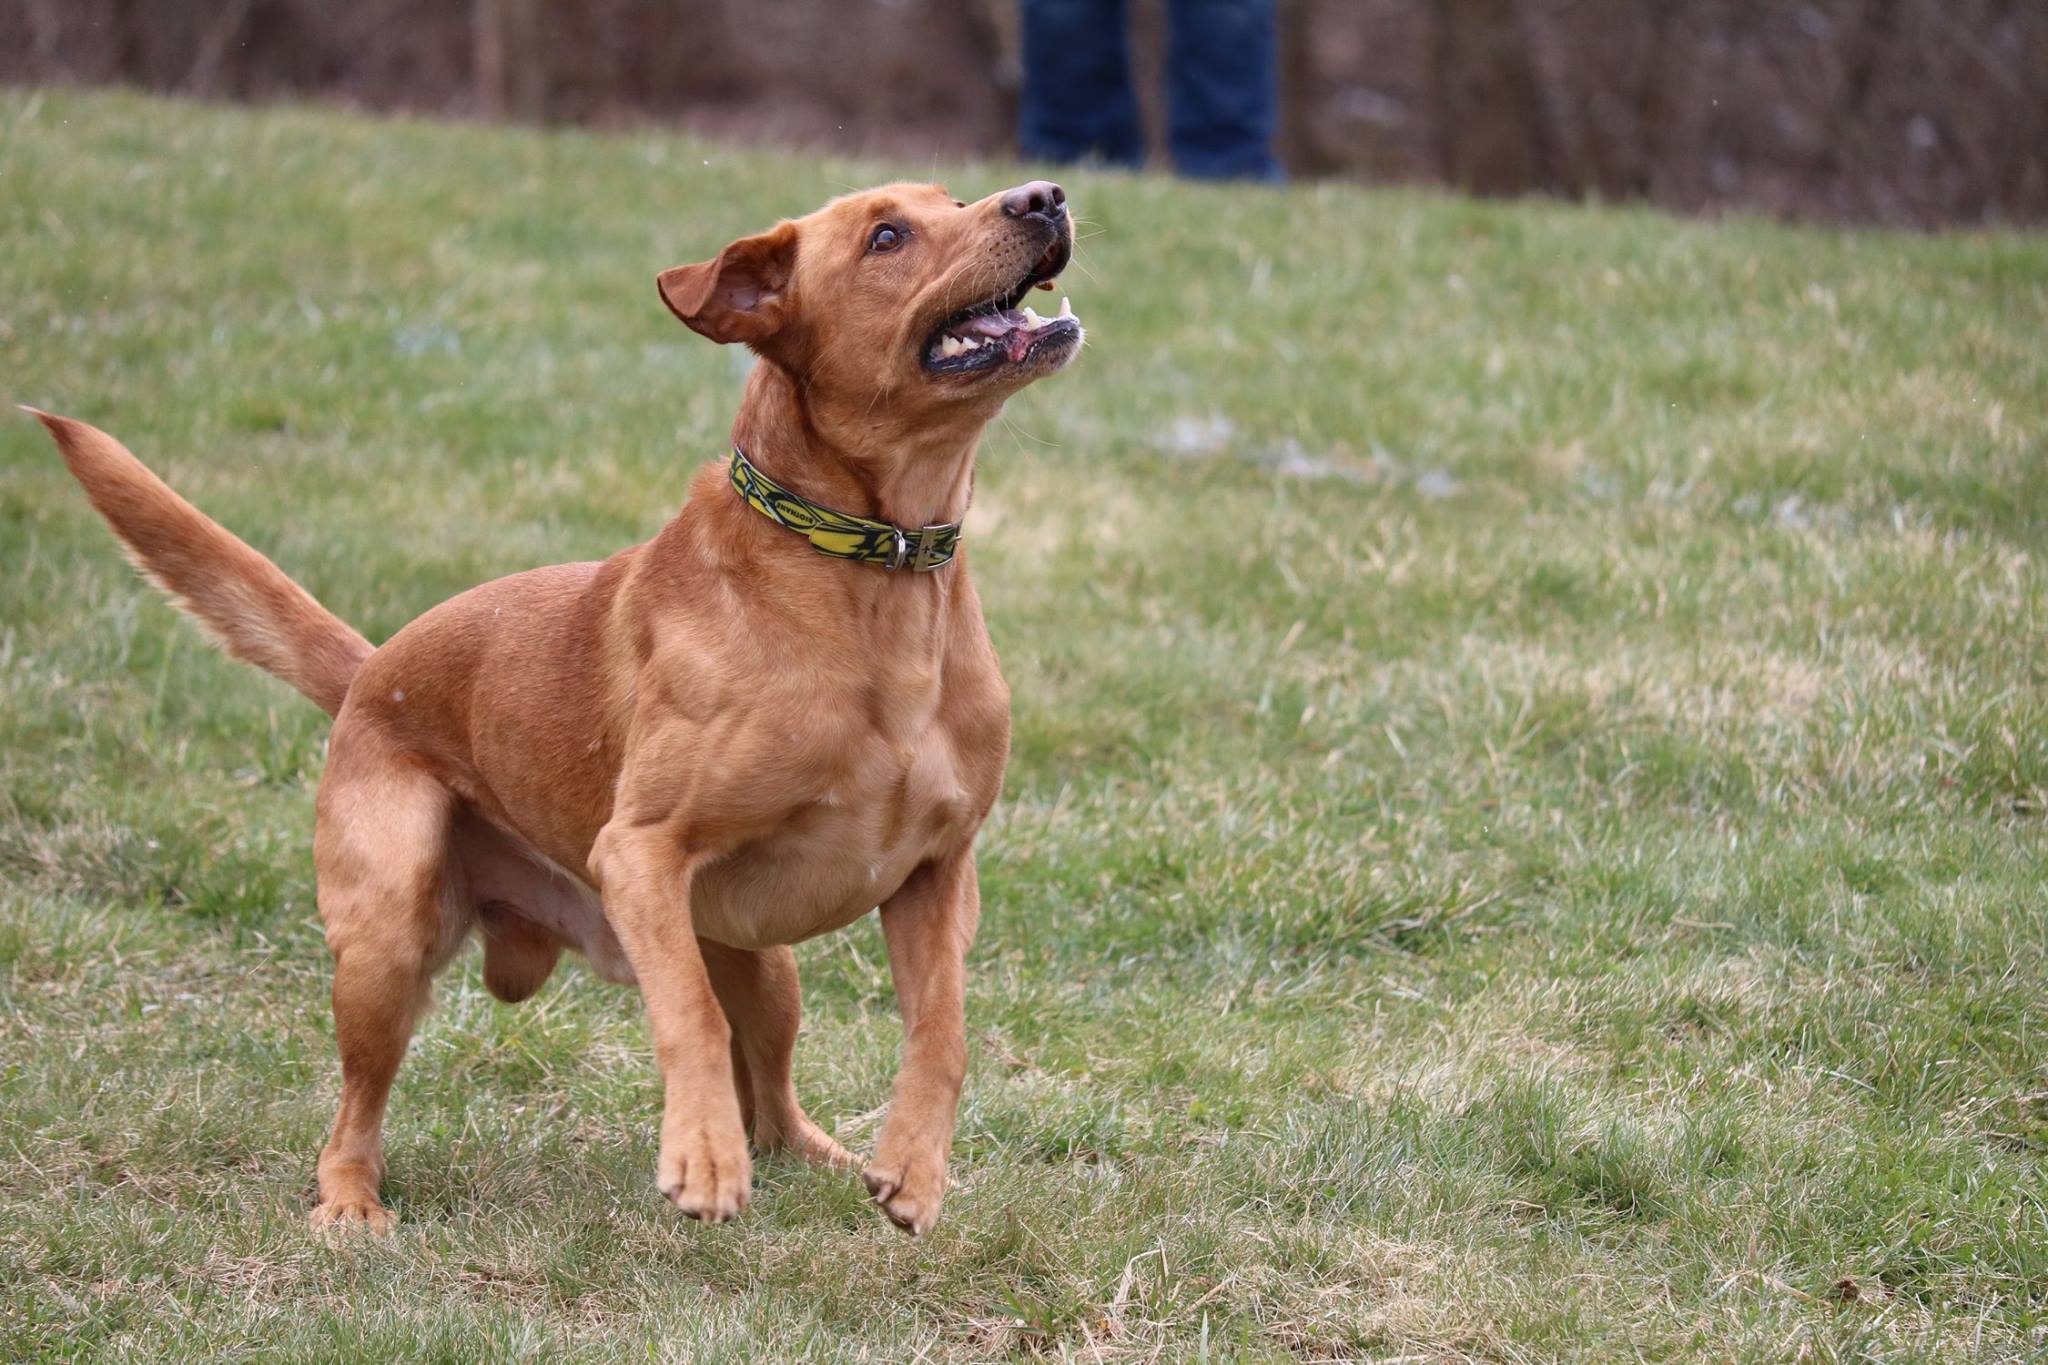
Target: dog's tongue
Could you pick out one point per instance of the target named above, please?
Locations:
(1007, 328)
(994, 324)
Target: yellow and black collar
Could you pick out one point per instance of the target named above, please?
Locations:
(840, 535)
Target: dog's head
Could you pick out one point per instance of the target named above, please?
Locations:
(901, 292)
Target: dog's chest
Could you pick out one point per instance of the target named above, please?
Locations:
(877, 811)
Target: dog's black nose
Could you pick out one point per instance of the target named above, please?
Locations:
(1040, 198)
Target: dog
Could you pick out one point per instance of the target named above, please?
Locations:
(780, 713)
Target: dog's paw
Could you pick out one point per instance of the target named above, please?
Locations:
(352, 1213)
(907, 1188)
(706, 1172)
(805, 1139)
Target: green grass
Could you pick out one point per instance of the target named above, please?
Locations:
(1527, 836)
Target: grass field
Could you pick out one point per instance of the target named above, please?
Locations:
(1526, 836)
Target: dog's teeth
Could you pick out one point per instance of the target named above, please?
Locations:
(1031, 319)
(950, 347)
(1066, 307)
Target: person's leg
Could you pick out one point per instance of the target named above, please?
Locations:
(1223, 84)
(1077, 101)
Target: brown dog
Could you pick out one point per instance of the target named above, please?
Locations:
(685, 758)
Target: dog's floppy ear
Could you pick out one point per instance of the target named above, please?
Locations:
(741, 294)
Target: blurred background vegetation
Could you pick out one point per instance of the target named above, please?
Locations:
(1906, 112)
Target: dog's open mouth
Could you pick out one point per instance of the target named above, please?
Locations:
(998, 332)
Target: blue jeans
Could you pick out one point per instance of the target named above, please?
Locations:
(1220, 77)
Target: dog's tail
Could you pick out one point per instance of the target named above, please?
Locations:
(245, 601)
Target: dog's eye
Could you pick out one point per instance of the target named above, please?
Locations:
(886, 238)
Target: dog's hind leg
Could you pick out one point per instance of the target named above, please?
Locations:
(758, 991)
(392, 921)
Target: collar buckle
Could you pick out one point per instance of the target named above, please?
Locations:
(918, 549)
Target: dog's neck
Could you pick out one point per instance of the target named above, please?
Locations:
(860, 459)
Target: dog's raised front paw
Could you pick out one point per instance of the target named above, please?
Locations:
(909, 1189)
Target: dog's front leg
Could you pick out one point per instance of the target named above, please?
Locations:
(703, 1166)
(929, 924)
